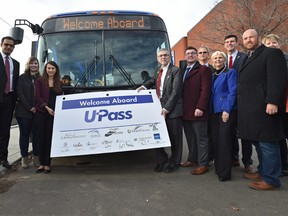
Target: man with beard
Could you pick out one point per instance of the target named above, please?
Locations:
(260, 94)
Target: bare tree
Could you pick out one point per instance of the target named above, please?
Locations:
(236, 16)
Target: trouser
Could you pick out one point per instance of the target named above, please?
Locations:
(269, 162)
(6, 114)
(174, 127)
(44, 125)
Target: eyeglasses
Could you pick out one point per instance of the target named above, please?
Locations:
(6, 44)
(202, 53)
(163, 55)
(191, 53)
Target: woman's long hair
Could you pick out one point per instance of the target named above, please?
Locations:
(56, 78)
(27, 66)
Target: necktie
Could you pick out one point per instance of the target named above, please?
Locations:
(250, 53)
(7, 69)
(186, 73)
(159, 82)
(230, 62)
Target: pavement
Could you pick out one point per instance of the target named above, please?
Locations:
(13, 148)
(124, 184)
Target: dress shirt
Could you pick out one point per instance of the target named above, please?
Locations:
(233, 58)
(163, 78)
(11, 69)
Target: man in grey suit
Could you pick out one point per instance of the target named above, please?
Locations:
(235, 60)
(168, 81)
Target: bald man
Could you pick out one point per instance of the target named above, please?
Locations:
(261, 87)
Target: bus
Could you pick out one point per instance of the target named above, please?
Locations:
(100, 50)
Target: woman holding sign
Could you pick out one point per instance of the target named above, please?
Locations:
(47, 88)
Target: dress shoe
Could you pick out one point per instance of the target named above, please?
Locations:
(171, 169)
(200, 170)
(39, 170)
(188, 164)
(249, 169)
(224, 179)
(47, 171)
(6, 165)
(235, 163)
(253, 176)
(159, 167)
(261, 185)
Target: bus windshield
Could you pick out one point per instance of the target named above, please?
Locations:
(97, 59)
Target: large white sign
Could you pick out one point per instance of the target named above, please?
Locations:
(102, 122)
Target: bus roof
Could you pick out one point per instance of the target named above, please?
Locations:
(102, 12)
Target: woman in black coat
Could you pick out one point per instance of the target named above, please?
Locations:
(25, 110)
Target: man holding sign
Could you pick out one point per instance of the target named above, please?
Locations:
(168, 82)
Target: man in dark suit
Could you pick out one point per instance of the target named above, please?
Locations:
(196, 97)
(234, 60)
(168, 82)
(261, 87)
(9, 73)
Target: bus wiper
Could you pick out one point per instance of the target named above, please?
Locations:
(122, 71)
(87, 72)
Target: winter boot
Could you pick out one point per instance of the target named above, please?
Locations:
(25, 162)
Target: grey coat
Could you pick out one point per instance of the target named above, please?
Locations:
(172, 99)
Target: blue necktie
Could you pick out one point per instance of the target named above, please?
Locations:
(186, 73)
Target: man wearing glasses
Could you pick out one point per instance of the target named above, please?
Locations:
(197, 82)
(9, 73)
(168, 82)
(204, 56)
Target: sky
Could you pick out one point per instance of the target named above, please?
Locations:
(179, 15)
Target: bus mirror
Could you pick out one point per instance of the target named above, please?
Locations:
(17, 33)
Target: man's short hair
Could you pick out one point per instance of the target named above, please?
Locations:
(189, 48)
(7, 38)
(205, 47)
(230, 36)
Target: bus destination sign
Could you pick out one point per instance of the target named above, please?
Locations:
(102, 23)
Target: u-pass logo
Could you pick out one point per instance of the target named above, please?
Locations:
(94, 115)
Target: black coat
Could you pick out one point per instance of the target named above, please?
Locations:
(240, 58)
(26, 96)
(261, 80)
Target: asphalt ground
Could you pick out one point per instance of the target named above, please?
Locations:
(125, 184)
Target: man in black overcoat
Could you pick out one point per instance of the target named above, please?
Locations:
(260, 96)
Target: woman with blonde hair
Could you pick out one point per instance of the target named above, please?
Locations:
(25, 110)
(223, 114)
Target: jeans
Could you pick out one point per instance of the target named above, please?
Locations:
(269, 162)
(26, 126)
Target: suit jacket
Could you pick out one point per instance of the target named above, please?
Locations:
(26, 96)
(197, 92)
(3, 77)
(171, 99)
(239, 60)
(262, 79)
(224, 91)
